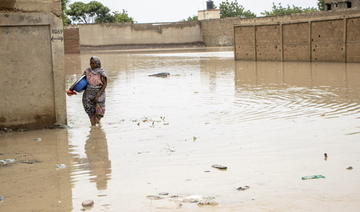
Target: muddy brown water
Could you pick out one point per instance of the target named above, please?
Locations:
(270, 123)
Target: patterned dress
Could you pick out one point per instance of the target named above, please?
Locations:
(94, 85)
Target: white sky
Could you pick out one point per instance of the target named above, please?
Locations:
(149, 11)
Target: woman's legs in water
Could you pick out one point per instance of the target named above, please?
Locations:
(94, 120)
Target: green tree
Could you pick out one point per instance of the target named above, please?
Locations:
(64, 17)
(99, 12)
(78, 12)
(95, 12)
(321, 5)
(280, 10)
(190, 18)
(234, 9)
(122, 17)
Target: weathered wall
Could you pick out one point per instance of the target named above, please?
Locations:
(51, 6)
(71, 40)
(117, 35)
(220, 32)
(334, 38)
(353, 40)
(31, 66)
(208, 14)
(296, 42)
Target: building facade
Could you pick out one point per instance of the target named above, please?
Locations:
(32, 81)
(341, 4)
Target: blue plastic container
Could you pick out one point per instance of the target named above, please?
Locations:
(80, 84)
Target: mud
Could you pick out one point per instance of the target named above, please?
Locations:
(269, 123)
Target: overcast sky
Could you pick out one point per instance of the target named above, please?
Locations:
(149, 11)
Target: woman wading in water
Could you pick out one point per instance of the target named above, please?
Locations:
(93, 98)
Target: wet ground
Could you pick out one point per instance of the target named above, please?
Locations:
(270, 123)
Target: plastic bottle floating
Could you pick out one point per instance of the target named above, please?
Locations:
(311, 177)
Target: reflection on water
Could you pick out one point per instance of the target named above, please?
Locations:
(290, 90)
(97, 157)
(269, 122)
(33, 182)
(241, 114)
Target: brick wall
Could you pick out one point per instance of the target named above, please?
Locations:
(71, 41)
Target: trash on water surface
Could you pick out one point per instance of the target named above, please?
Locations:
(349, 168)
(60, 166)
(161, 74)
(2, 198)
(30, 161)
(312, 177)
(221, 167)
(6, 162)
(87, 203)
(207, 202)
(37, 139)
(243, 188)
(153, 197)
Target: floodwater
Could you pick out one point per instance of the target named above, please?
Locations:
(270, 123)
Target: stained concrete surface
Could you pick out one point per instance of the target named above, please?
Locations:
(270, 123)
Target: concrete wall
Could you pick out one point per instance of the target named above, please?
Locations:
(220, 32)
(332, 39)
(32, 83)
(132, 35)
(208, 14)
(50, 6)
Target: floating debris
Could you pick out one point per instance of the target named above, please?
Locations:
(87, 203)
(192, 199)
(312, 177)
(2, 198)
(349, 168)
(221, 167)
(30, 161)
(194, 138)
(154, 197)
(164, 193)
(325, 156)
(60, 166)
(207, 202)
(243, 188)
(37, 139)
(6, 162)
(161, 74)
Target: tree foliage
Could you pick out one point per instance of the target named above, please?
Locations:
(95, 12)
(64, 17)
(191, 18)
(280, 10)
(321, 5)
(122, 17)
(234, 9)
